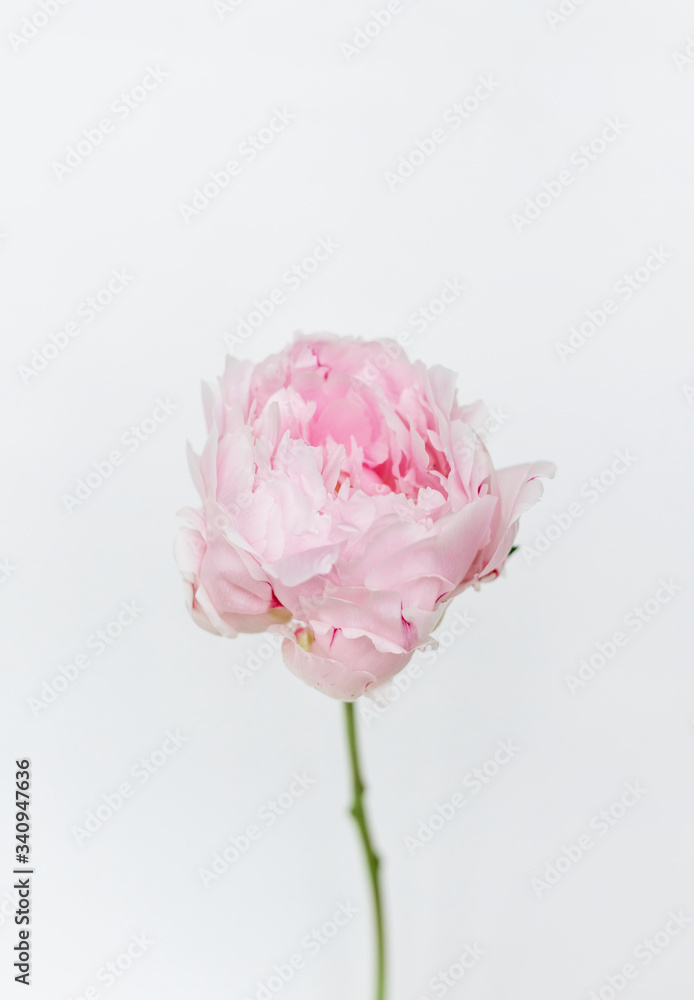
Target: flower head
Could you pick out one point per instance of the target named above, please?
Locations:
(346, 500)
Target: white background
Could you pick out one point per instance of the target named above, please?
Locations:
(627, 388)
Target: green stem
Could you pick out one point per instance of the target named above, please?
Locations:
(372, 859)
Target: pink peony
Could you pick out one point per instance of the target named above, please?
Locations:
(346, 500)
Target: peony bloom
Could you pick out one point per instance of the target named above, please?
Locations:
(346, 500)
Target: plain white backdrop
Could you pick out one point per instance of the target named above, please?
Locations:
(539, 234)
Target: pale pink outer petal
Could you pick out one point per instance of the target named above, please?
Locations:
(189, 548)
(425, 591)
(519, 488)
(233, 399)
(326, 675)
(359, 612)
(296, 569)
(224, 594)
(448, 551)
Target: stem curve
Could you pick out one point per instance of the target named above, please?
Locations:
(372, 860)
